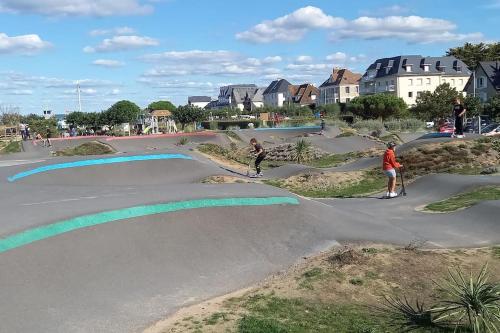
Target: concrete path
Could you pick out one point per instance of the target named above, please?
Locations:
(127, 273)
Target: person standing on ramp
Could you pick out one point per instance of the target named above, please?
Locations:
(389, 165)
(260, 153)
(459, 113)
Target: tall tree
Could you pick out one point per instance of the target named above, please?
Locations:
(122, 112)
(161, 105)
(187, 114)
(378, 106)
(435, 105)
(492, 107)
(472, 54)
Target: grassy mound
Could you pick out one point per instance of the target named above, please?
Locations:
(342, 290)
(333, 184)
(464, 157)
(465, 200)
(10, 147)
(88, 148)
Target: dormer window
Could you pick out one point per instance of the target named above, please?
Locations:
(426, 68)
(408, 68)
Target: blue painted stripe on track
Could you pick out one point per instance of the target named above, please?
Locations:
(100, 161)
(287, 128)
(62, 227)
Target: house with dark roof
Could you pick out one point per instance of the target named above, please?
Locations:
(199, 101)
(242, 96)
(341, 87)
(408, 76)
(304, 95)
(275, 94)
(487, 81)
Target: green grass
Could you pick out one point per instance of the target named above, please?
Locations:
(88, 148)
(11, 147)
(345, 134)
(495, 251)
(465, 200)
(372, 182)
(233, 136)
(271, 314)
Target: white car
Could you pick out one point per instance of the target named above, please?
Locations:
(491, 130)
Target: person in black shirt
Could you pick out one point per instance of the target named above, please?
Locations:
(459, 113)
(260, 153)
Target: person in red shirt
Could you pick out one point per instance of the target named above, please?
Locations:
(389, 165)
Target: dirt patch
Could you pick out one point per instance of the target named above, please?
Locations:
(88, 148)
(360, 276)
(227, 180)
(323, 180)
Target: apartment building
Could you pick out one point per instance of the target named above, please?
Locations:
(409, 75)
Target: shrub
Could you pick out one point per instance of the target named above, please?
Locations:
(302, 150)
(369, 125)
(213, 125)
(183, 141)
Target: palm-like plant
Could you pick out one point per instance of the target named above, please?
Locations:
(409, 317)
(474, 302)
(302, 150)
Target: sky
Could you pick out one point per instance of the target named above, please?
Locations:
(148, 50)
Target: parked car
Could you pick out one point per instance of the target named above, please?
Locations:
(491, 130)
(447, 128)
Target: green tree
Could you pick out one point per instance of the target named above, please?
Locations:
(472, 54)
(473, 105)
(187, 114)
(378, 106)
(10, 118)
(330, 110)
(76, 118)
(492, 107)
(40, 126)
(161, 105)
(121, 112)
(435, 105)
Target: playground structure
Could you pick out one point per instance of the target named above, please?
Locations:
(159, 121)
(8, 131)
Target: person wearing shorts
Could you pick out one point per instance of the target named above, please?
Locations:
(389, 165)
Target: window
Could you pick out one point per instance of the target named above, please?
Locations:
(410, 94)
(392, 82)
(480, 82)
(419, 93)
(357, 89)
(410, 82)
(347, 100)
(426, 68)
(347, 90)
(419, 82)
(378, 84)
(337, 100)
(444, 80)
(428, 81)
(408, 68)
(452, 82)
(461, 82)
(386, 83)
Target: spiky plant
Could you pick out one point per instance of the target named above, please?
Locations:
(475, 302)
(407, 316)
(302, 150)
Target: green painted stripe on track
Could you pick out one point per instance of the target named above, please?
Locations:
(51, 230)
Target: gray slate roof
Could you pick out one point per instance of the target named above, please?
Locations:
(437, 65)
(199, 99)
(277, 86)
(492, 70)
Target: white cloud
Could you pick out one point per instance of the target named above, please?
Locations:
(122, 43)
(192, 55)
(291, 27)
(303, 59)
(76, 7)
(21, 92)
(198, 62)
(24, 44)
(272, 60)
(114, 31)
(414, 29)
(108, 63)
(386, 11)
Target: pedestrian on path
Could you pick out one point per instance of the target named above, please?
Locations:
(459, 113)
(48, 135)
(389, 165)
(260, 154)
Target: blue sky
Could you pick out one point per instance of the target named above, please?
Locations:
(146, 50)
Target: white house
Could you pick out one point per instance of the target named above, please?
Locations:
(276, 93)
(199, 101)
(408, 76)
